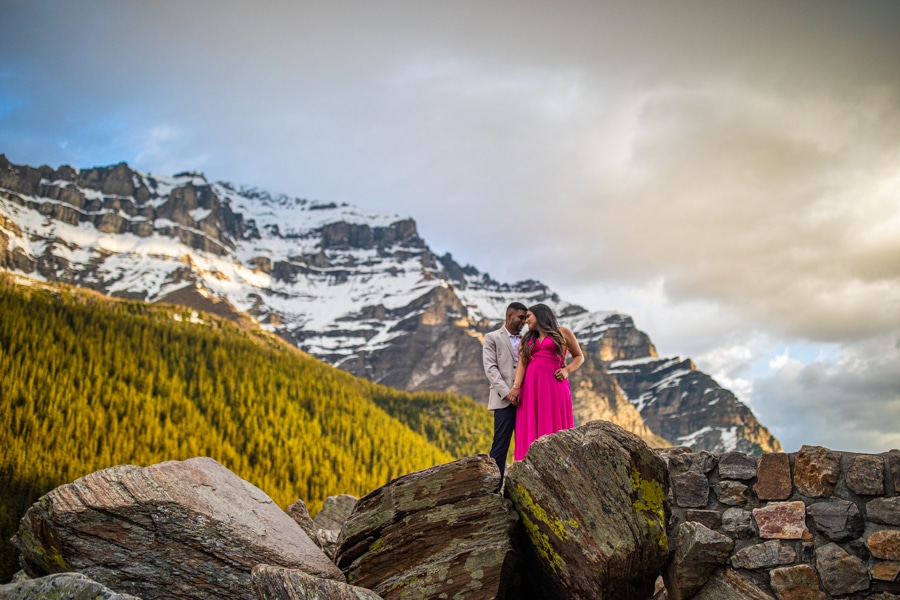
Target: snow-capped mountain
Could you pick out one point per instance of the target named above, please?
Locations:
(359, 289)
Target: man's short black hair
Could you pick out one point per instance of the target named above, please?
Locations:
(516, 306)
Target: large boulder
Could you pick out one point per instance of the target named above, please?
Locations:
(70, 586)
(176, 529)
(442, 532)
(592, 504)
(279, 583)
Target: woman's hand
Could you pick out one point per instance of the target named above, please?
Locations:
(513, 396)
(562, 374)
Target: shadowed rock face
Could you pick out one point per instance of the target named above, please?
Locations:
(438, 533)
(187, 529)
(592, 506)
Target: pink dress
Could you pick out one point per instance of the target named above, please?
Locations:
(545, 404)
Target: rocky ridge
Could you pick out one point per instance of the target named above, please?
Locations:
(590, 513)
(358, 289)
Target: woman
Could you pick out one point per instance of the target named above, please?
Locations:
(541, 388)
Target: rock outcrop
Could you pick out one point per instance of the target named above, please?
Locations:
(279, 583)
(187, 529)
(67, 586)
(592, 505)
(439, 533)
(589, 515)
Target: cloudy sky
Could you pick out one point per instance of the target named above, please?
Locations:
(726, 173)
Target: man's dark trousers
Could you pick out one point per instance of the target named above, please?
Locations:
(504, 425)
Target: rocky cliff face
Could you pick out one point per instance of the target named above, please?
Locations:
(359, 289)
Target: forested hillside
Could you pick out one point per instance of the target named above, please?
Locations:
(87, 382)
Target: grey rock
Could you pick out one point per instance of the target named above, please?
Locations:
(865, 476)
(190, 529)
(335, 511)
(738, 523)
(442, 532)
(892, 459)
(728, 584)
(737, 465)
(838, 520)
(731, 493)
(298, 512)
(279, 583)
(762, 556)
(841, 573)
(678, 459)
(64, 586)
(691, 489)
(592, 503)
(704, 462)
(20, 576)
(708, 518)
(884, 510)
(698, 552)
(329, 540)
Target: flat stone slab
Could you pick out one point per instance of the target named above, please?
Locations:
(782, 520)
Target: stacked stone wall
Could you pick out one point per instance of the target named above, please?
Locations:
(811, 524)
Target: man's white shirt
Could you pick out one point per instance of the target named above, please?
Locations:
(514, 341)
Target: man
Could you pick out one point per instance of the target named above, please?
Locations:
(501, 356)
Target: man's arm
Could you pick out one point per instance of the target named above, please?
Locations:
(489, 356)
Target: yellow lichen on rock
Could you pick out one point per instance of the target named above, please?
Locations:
(649, 504)
(541, 543)
(557, 526)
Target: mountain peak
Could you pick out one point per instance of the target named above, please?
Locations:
(357, 288)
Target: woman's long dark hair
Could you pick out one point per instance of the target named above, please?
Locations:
(546, 322)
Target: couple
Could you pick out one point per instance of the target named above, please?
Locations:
(529, 378)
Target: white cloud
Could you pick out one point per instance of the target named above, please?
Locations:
(850, 404)
(727, 175)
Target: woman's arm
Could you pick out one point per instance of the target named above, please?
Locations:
(513, 395)
(574, 350)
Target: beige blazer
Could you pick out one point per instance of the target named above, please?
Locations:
(499, 366)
